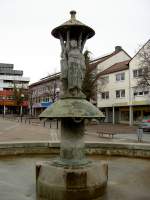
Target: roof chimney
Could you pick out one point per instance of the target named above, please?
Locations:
(73, 14)
(118, 48)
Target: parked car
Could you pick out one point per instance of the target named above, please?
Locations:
(145, 124)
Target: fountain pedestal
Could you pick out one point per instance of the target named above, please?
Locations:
(71, 176)
(71, 183)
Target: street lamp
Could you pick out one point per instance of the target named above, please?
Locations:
(22, 96)
(3, 106)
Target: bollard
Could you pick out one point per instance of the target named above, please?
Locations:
(57, 123)
(49, 124)
(44, 124)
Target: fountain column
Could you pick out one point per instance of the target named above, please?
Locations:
(72, 150)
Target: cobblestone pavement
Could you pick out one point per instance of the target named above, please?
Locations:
(13, 130)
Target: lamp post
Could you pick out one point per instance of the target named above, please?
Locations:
(4, 107)
(22, 96)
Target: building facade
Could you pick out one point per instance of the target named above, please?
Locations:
(43, 93)
(121, 100)
(10, 80)
(139, 96)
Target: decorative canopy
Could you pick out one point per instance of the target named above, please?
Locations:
(75, 108)
(75, 27)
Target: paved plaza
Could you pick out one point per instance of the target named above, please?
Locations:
(13, 130)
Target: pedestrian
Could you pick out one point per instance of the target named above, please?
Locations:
(140, 133)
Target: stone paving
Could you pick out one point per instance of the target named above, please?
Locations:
(13, 130)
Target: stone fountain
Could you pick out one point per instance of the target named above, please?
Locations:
(72, 176)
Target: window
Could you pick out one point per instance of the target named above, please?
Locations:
(124, 116)
(120, 93)
(120, 77)
(137, 73)
(105, 95)
(141, 93)
(146, 92)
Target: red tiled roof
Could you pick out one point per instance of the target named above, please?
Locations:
(101, 59)
(116, 67)
(93, 64)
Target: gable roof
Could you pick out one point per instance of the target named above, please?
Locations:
(97, 61)
(103, 58)
(46, 79)
(140, 50)
(116, 67)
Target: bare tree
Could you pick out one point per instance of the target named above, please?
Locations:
(144, 65)
(52, 90)
(31, 102)
(19, 95)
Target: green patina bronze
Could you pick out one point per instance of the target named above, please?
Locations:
(72, 35)
(72, 108)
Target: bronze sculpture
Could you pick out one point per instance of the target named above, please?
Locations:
(72, 41)
(72, 66)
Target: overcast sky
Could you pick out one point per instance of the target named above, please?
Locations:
(25, 30)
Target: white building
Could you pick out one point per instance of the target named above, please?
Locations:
(9, 77)
(139, 100)
(119, 99)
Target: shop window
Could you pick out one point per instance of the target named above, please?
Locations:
(124, 115)
(137, 115)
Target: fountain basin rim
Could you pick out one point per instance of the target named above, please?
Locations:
(95, 148)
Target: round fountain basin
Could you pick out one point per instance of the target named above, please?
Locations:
(128, 178)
